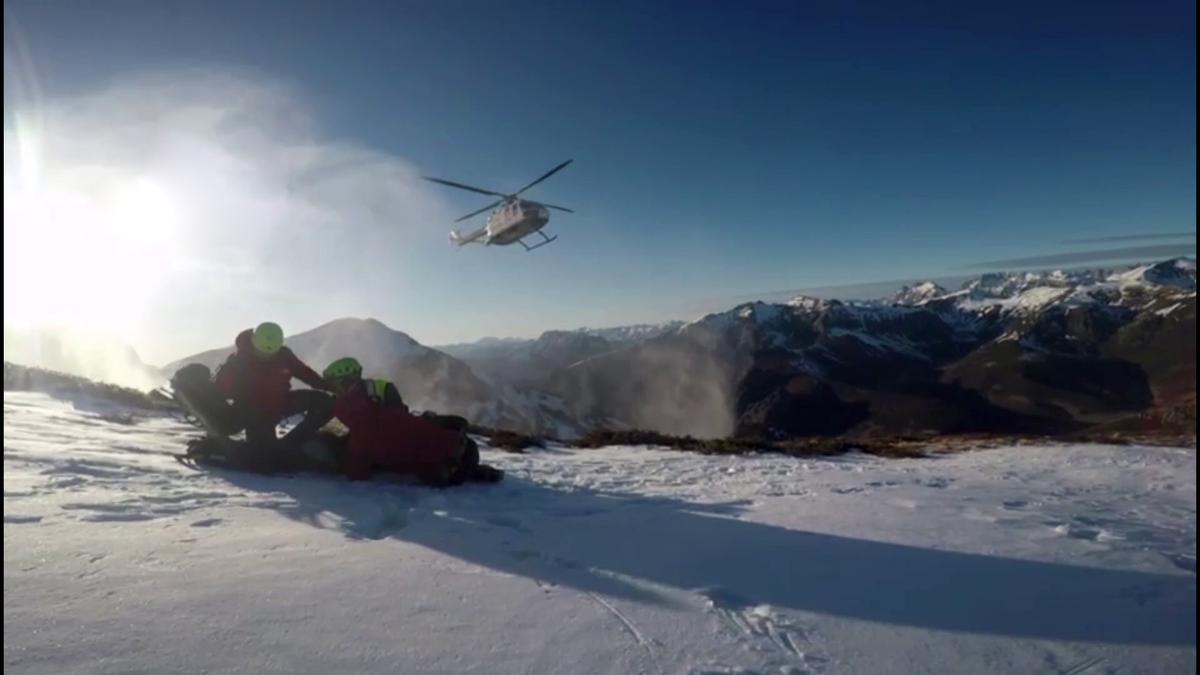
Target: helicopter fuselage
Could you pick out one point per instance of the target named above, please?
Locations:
(514, 221)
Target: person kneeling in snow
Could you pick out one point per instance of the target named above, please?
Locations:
(257, 376)
(386, 436)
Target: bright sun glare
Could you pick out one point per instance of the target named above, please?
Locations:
(86, 246)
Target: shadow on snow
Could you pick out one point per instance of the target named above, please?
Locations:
(612, 543)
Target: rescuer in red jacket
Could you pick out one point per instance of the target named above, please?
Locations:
(258, 375)
(386, 436)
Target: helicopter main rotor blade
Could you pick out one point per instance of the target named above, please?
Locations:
(560, 208)
(493, 205)
(546, 175)
(464, 187)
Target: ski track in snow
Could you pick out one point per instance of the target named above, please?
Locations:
(1074, 560)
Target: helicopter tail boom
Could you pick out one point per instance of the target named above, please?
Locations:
(461, 239)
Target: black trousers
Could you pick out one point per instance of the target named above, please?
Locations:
(317, 408)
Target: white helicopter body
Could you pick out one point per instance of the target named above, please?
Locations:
(512, 218)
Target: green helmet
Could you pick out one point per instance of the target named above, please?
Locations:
(267, 338)
(345, 367)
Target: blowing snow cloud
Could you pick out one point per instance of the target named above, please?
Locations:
(171, 209)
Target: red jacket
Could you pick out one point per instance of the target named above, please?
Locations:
(388, 437)
(261, 384)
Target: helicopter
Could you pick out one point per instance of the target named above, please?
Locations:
(512, 219)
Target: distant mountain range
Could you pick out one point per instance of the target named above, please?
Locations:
(1042, 352)
(1045, 352)
(529, 361)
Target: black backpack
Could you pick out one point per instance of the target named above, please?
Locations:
(193, 388)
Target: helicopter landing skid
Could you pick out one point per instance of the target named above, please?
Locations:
(539, 244)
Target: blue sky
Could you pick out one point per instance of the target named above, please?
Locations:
(721, 149)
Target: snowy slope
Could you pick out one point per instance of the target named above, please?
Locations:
(118, 559)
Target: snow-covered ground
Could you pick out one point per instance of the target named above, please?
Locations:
(118, 559)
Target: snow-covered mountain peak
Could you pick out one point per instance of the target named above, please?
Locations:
(632, 333)
(808, 303)
(364, 327)
(376, 345)
(1025, 292)
(918, 293)
(1175, 273)
(1001, 285)
(749, 313)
